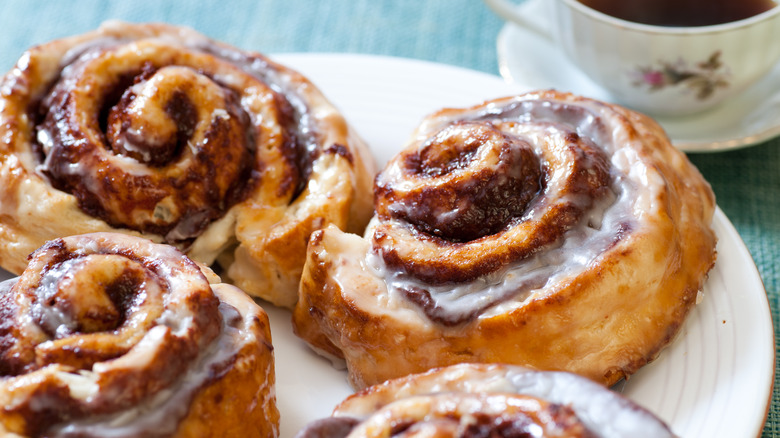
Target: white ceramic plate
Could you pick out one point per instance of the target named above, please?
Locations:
(714, 380)
(747, 119)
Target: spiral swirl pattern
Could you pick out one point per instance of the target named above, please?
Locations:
(176, 120)
(108, 326)
(473, 400)
(494, 192)
(504, 233)
(529, 199)
(158, 130)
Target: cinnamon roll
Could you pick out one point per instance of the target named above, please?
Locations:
(106, 334)
(545, 230)
(470, 400)
(156, 130)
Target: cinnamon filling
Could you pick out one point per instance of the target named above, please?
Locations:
(461, 197)
(480, 212)
(168, 142)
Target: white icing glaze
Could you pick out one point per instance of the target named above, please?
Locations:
(250, 77)
(96, 258)
(161, 414)
(610, 415)
(598, 230)
(52, 318)
(603, 411)
(354, 254)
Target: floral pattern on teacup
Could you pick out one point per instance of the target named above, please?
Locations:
(703, 78)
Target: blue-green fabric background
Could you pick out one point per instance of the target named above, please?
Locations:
(456, 32)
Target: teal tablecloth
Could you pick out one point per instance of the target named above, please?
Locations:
(457, 32)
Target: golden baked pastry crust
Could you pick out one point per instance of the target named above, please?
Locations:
(617, 280)
(106, 334)
(243, 401)
(156, 130)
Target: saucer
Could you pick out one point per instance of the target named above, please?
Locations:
(744, 120)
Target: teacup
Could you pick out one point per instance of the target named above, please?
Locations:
(660, 70)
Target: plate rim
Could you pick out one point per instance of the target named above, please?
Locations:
(747, 258)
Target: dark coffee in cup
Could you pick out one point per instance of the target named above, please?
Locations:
(681, 13)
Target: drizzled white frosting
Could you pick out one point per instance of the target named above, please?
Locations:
(603, 412)
(539, 123)
(161, 413)
(599, 287)
(177, 332)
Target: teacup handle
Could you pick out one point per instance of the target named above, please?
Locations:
(508, 11)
